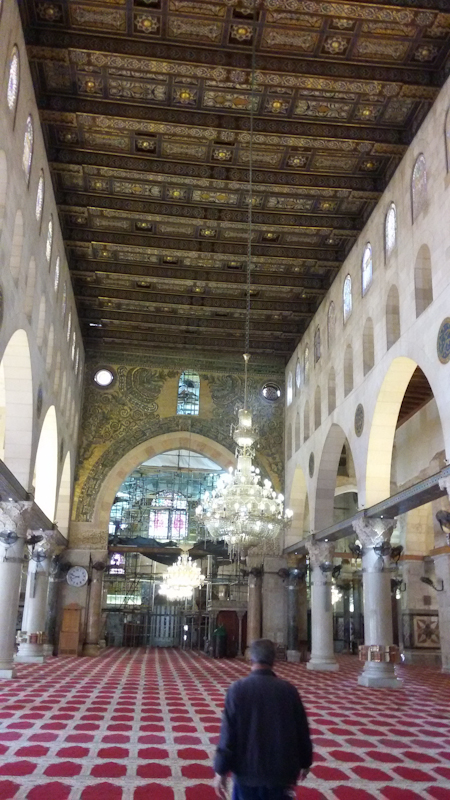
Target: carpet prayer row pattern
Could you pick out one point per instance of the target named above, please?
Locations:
(143, 724)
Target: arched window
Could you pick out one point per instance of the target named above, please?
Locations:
(298, 374)
(331, 324)
(419, 189)
(168, 517)
(306, 365)
(49, 242)
(317, 345)
(188, 393)
(40, 197)
(13, 79)
(27, 156)
(366, 268)
(57, 274)
(347, 303)
(289, 389)
(390, 230)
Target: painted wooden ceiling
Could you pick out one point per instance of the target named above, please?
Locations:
(145, 106)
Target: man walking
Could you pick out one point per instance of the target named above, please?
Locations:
(264, 738)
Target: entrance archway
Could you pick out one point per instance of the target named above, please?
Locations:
(153, 447)
(46, 465)
(16, 407)
(324, 514)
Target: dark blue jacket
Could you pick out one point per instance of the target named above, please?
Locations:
(264, 738)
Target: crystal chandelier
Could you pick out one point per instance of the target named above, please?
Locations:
(242, 509)
(181, 579)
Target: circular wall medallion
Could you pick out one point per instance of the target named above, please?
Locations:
(39, 401)
(311, 465)
(271, 391)
(359, 419)
(443, 341)
(104, 377)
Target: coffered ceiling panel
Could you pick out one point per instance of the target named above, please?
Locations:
(145, 106)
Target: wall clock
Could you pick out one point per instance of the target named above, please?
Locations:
(77, 576)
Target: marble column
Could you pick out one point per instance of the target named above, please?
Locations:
(274, 600)
(322, 645)
(378, 651)
(254, 610)
(296, 611)
(51, 615)
(31, 647)
(91, 646)
(240, 615)
(441, 556)
(14, 521)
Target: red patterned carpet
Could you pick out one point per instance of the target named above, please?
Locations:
(141, 725)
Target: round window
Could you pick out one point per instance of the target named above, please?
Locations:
(271, 391)
(104, 377)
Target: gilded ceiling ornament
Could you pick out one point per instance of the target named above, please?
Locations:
(336, 45)
(243, 33)
(51, 12)
(426, 52)
(146, 23)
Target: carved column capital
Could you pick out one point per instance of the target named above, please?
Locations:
(15, 518)
(372, 532)
(444, 484)
(319, 552)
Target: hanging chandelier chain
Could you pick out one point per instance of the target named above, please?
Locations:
(250, 190)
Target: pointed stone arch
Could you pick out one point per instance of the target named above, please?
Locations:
(327, 477)
(46, 465)
(368, 346)
(392, 316)
(16, 393)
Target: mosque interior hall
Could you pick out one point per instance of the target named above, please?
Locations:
(224, 388)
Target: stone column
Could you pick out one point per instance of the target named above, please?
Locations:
(274, 602)
(378, 651)
(31, 647)
(254, 605)
(51, 615)
(91, 646)
(240, 615)
(441, 557)
(357, 609)
(14, 520)
(322, 646)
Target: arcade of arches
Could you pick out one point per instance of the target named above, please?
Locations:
(123, 245)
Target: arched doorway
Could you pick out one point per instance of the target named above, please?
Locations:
(46, 465)
(16, 407)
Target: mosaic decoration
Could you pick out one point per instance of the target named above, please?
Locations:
(12, 91)
(443, 341)
(49, 241)
(311, 464)
(366, 268)
(347, 301)
(390, 231)
(40, 197)
(419, 191)
(27, 155)
(359, 419)
(331, 324)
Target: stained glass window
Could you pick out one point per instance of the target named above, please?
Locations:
(331, 324)
(390, 230)
(306, 364)
(13, 79)
(366, 268)
(168, 517)
(419, 186)
(40, 197)
(289, 390)
(49, 242)
(298, 374)
(27, 156)
(317, 345)
(188, 393)
(57, 274)
(347, 302)
(69, 325)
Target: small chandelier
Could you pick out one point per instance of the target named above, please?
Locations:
(181, 579)
(243, 510)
